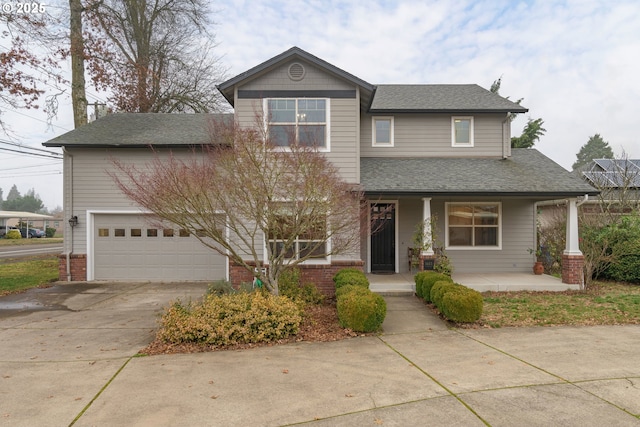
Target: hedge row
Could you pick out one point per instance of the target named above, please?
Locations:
(358, 308)
(456, 302)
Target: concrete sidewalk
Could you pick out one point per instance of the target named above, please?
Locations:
(63, 365)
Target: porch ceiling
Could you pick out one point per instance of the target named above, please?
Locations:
(526, 173)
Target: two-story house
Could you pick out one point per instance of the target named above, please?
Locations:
(435, 153)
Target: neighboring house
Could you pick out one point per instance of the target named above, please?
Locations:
(617, 180)
(438, 153)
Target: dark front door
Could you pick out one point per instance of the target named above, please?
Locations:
(383, 238)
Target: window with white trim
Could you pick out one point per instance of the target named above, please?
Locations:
(462, 131)
(474, 225)
(304, 121)
(298, 235)
(382, 131)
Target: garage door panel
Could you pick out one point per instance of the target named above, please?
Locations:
(150, 255)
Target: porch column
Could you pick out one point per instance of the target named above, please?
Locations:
(427, 254)
(572, 257)
(426, 220)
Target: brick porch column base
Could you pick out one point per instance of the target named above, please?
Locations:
(573, 269)
(78, 267)
(320, 275)
(426, 257)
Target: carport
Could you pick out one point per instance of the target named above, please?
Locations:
(5, 215)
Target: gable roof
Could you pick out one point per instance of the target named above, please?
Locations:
(227, 87)
(527, 173)
(142, 130)
(441, 98)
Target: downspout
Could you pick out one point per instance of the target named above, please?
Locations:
(504, 148)
(69, 187)
(583, 201)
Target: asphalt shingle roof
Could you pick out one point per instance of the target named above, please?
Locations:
(445, 98)
(141, 130)
(526, 173)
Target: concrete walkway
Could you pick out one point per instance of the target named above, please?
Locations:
(74, 363)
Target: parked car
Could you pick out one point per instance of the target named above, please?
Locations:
(33, 232)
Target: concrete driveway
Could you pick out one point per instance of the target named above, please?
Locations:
(70, 360)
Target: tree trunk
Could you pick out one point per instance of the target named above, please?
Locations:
(78, 95)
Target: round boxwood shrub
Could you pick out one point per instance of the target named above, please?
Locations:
(438, 290)
(361, 311)
(352, 278)
(461, 304)
(346, 271)
(425, 281)
(351, 288)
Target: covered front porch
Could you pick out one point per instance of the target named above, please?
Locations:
(403, 283)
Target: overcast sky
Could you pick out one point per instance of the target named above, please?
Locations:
(575, 63)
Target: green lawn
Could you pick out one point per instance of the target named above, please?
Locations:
(25, 242)
(604, 304)
(16, 276)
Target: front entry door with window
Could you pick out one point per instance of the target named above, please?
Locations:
(383, 238)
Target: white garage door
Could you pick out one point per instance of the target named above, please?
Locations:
(126, 247)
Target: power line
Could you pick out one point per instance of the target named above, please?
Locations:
(39, 165)
(4, 141)
(43, 173)
(35, 118)
(30, 154)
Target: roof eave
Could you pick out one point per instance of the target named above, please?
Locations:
(530, 194)
(444, 110)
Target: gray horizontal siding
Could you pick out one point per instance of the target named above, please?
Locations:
(418, 135)
(314, 79)
(344, 116)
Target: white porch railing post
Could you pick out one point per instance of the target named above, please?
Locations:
(426, 218)
(573, 242)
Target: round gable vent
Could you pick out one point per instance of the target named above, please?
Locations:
(296, 71)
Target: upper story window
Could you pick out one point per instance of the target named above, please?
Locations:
(382, 131)
(462, 131)
(473, 225)
(304, 121)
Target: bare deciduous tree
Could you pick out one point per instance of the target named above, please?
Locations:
(153, 56)
(242, 196)
(23, 72)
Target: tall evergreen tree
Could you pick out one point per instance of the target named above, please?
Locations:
(595, 148)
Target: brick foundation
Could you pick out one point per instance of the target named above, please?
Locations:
(320, 275)
(78, 267)
(573, 269)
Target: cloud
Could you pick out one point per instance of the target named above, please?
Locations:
(575, 63)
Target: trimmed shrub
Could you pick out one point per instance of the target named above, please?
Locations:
(438, 290)
(352, 278)
(361, 311)
(425, 281)
(231, 319)
(13, 234)
(49, 232)
(461, 304)
(346, 271)
(351, 288)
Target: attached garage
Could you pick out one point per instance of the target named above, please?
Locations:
(128, 247)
